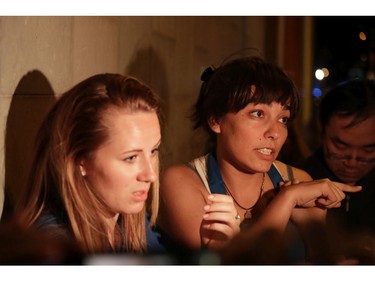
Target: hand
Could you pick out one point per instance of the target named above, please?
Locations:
(319, 193)
(219, 222)
(288, 183)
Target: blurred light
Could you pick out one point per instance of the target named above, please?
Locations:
(362, 36)
(325, 71)
(319, 74)
(317, 92)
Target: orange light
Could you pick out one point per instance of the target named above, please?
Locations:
(362, 36)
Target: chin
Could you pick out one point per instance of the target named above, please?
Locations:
(349, 181)
(136, 209)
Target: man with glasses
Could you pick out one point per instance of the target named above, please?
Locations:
(347, 152)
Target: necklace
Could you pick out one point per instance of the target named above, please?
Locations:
(248, 214)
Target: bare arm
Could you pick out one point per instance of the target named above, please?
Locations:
(182, 205)
(319, 193)
(192, 216)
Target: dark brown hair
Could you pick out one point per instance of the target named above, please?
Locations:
(228, 89)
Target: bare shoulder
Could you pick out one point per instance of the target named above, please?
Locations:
(299, 174)
(181, 177)
(178, 173)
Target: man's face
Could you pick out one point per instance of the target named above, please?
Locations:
(349, 152)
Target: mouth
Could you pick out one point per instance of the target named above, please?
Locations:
(265, 151)
(140, 195)
(350, 176)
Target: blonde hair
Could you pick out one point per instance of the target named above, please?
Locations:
(72, 129)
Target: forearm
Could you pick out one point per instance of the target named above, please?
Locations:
(277, 214)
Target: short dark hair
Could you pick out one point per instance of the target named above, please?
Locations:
(350, 98)
(228, 89)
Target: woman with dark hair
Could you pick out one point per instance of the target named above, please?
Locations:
(245, 106)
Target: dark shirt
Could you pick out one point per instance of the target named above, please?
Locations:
(357, 211)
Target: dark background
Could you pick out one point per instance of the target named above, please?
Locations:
(338, 48)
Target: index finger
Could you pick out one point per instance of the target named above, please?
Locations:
(347, 188)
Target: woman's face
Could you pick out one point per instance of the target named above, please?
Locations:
(123, 168)
(252, 138)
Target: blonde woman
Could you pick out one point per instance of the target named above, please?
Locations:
(94, 176)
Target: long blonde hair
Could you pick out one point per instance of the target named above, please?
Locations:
(72, 129)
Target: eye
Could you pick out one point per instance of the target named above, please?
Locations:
(369, 149)
(340, 145)
(130, 158)
(155, 151)
(284, 120)
(257, 113)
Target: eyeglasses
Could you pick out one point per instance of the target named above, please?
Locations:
(342, 158)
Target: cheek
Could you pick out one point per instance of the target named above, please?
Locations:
(113, 186)
(368, 169)
(333, 165)
(108, 178)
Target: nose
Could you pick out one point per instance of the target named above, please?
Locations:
(352, 159)
(273, 131)
(148, 170)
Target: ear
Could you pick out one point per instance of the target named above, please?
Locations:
(82, 168)
(214, 125)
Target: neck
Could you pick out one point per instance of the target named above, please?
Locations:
(240, 182)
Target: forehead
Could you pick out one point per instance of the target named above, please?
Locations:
(127, 124)
(361, 134)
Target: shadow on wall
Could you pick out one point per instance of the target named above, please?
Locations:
(147, 65)
(31, 100)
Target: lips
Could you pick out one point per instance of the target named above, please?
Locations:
(265, 151)
(140, 195)
(265, 154)
(348, 176)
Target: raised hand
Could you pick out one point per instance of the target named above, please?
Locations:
(319, 193)
(220, 221)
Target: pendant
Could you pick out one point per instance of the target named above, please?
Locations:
(248, 215)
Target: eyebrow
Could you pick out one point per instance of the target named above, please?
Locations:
(371, 145)
(140, 150)
(286, 107)
(338, 140)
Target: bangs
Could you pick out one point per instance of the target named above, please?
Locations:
(265, 89)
